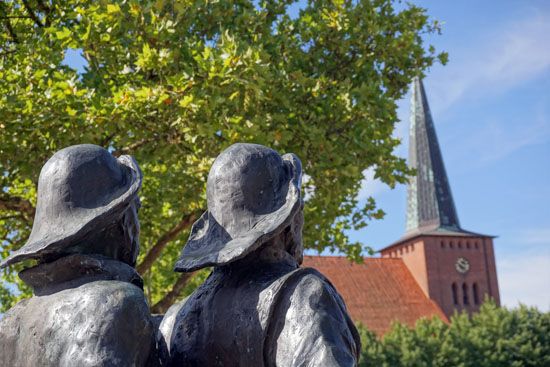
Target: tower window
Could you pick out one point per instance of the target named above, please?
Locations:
(442, 244)
(465, 299)
(468, 245)
(459, 244)
(451, 245)
(476, 245)
(455, 294)
(476, 294)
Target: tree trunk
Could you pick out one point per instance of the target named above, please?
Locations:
(157, 248)
(162, 306)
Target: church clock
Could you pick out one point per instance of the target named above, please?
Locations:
(462, 265)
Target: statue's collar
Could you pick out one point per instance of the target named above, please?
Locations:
(75, 270)
(258, 265)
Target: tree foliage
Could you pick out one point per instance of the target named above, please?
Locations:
(493, 337)
(175, 82)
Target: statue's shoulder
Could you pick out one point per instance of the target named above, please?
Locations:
(99, 298)
(10, 324)
(308, 310)
(88, 325)
(305, 279)
(311, 278)
(296, 290)
(170, 320)
(113, 291)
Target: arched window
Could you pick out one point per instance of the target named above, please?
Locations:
(459, 244)
(465, 299)
(455, 294)
(451, 244)
(442, 244)
(476, 294)
(468, 245)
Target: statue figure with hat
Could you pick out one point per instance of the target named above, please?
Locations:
(258, 307)
(89, 308)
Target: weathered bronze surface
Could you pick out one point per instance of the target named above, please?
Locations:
(89, 308)
(258, 307)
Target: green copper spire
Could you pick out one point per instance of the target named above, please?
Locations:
(430, 204)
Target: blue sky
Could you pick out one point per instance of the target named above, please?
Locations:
(491, 108)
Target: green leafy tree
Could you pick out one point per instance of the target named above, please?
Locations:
(175, 82)
(493, 337)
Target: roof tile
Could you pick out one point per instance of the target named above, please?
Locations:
(377, 292)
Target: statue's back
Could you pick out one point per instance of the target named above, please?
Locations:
(101, 323)
(237, 318)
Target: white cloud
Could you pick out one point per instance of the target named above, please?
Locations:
(496, 140)
(524, 275)
(537, 236)
(308, 188)
(514, 54)
(371, 186)
(525, 278)
(534, 237)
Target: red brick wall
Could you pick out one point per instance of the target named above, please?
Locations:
(492, 270)
(432, 259)
(413, 255)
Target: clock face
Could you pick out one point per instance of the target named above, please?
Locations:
(462, 265)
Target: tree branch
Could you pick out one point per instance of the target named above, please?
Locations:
(16, 204)
(106, 140)
(168, 300)
(6, 53)
(9, 27)
(11, 31)
(31, 14)
(42, 6)
(46, 10)
(15, 17)
(134, 146)
(12, 217)
(157, 248)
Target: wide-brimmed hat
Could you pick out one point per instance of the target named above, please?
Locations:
(252, 194)
(82, 188)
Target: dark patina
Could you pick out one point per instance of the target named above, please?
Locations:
(89, 308)
(257, 307)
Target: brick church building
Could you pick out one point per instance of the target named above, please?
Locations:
(436, 267)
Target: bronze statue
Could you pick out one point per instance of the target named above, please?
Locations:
(257, 307)
(89, 308)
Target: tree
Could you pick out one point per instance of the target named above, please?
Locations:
(175, 82)
(493, 337)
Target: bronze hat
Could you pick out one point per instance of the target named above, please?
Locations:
(252, 194)
(80, 188)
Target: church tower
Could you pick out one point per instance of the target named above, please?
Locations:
(455, 268)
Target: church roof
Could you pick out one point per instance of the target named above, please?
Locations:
(430, 205)
(378, 291)
(434, 231)
(429, 198)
